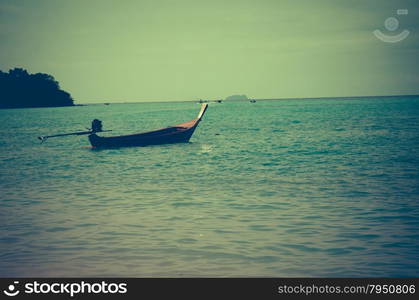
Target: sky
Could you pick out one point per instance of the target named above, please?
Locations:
(174, 50)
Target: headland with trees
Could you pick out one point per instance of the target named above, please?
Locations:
(19, 89)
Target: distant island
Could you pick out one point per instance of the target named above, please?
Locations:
(19, 89)
(236, 97)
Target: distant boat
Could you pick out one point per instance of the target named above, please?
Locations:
(252, 100)
(219, 101)
(180, 133)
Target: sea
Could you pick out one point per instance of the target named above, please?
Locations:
(277, 188)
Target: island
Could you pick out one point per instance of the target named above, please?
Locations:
(19, 89)
(236, 98)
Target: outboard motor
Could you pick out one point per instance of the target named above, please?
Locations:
(96, 125)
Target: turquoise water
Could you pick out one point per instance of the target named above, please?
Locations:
(324, 187)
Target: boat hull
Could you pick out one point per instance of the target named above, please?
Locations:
(138, 140)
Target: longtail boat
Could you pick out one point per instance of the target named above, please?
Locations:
(180, 133)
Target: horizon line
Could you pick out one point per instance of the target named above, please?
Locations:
(257, 99)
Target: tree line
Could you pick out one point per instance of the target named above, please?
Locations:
(20, 89)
